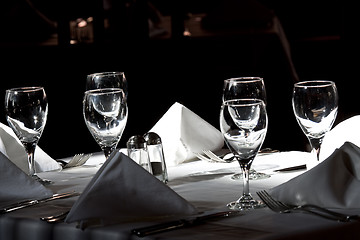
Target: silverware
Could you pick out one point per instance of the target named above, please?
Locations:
(289, 169)
(280, 207)
(55, 218)
(173, 225)
(214, 157)
(228, 157)
(77, 160)
(28, 203)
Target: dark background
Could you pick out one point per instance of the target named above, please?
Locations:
(168, 69)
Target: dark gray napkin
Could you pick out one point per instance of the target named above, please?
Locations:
(15, 185)
(333, 183)
(124, 191)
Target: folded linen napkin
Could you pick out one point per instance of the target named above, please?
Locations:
(124, 191)
(11, 147)
(333, 183)
(183, 132)
(346, 131)
(15, 185)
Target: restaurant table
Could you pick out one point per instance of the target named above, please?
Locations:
(207, 185)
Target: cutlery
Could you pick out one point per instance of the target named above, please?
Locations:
(228, 157)
(289, 169)
(280, 207)
(214, 157)
(28, 203)
(202, 157)
(182, 223)
(55, 218)
(77, 160)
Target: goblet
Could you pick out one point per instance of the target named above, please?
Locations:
(105, 115)
(315, 105)
(107, 80)
(26, 110)
(243, 123)
(245, 87)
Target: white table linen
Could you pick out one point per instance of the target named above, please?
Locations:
(17, 185)
(11, 147)
(184, 133)
(208, 186)
(333, 183)
(134, 194)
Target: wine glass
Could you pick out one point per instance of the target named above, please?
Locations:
(105, 115)
(243, 123)
(107, 80)
(245, 87)
(315, 105)
(26, 110)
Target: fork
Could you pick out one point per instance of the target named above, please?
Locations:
(77, 160)
(213, 156)
(210, 157)
(281, 207)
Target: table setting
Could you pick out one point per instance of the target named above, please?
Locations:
(116, 193)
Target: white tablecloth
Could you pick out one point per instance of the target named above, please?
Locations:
(206, 185)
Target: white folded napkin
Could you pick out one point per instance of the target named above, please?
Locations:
(15, 185)
(183, 132)
(11, 147)
(346, 131)
(124, 191)
(333, 183)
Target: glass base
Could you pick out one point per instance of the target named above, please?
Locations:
(245, 203)
(253, 175)
(40, 180)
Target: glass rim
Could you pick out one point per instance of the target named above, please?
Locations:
(25, 89)
(243, 102)
(314, 83)
(245, 79)
(100, 91)
(105, 73)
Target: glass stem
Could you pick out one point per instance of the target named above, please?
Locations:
(315, 146)
(245, 168)
(30, 150)
(108, 150)
(246, 182)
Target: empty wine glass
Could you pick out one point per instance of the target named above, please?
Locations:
(105, 114)
(315, 105)
(243, 123)
(245, 87)
(26, 110)
(107, 80)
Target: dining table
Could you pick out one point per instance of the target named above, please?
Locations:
(207, 185)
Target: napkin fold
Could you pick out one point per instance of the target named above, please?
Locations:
(11, 147)
(333, 183)
(345, 131)
(124, 191)
(183, 132)
(15, 185)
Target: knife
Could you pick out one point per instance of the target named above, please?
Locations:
(28, 203)
(173, 225)
(288, 169)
